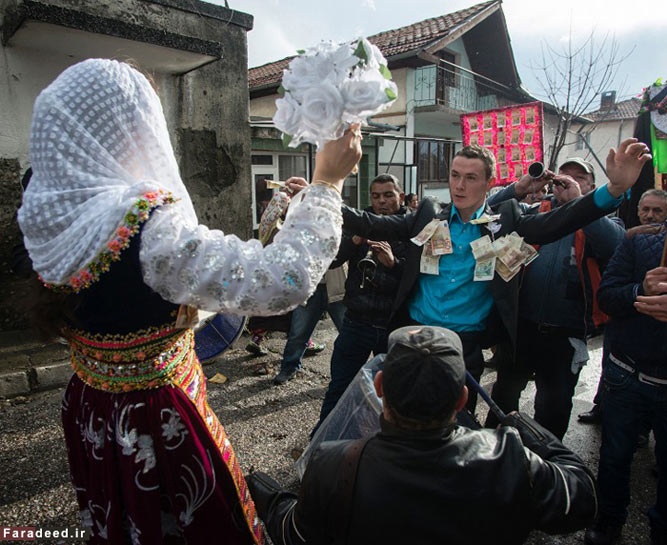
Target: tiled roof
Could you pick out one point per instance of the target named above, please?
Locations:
(391, 42)
(626, 109)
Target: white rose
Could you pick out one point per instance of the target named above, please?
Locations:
(321, 109)
(373, 54)
(363, 96)
(288, 116)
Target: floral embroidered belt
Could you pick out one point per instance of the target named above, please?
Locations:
(142, 361)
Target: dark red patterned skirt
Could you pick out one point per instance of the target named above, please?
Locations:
(149, 460)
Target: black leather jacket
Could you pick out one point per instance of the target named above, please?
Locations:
(371, 304)
(452, 485)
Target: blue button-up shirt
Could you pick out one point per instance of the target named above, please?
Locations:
(452, 299)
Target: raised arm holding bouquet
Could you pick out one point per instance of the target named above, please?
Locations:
(330, 87)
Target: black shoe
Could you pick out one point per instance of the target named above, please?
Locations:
(603, 532)
(284, 375)
(594, 416)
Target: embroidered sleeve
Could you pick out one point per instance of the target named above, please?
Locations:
(207, 269)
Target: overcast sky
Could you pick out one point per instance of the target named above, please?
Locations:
(283, 26)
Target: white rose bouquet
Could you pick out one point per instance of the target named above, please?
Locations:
(329, 87)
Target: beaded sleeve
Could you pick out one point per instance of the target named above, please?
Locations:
(207, 269)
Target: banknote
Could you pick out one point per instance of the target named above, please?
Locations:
(485, 218)
(504, 272)
(426, 233)
(274, 184)
(429, 264)
(484, 270)
(482, 248)
(441, 241)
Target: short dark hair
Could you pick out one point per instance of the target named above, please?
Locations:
(387, 178)
(478, 152)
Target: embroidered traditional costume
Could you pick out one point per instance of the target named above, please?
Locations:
(107, 216)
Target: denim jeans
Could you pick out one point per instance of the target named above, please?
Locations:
(628, 403)
(353, 346)
(304, 320)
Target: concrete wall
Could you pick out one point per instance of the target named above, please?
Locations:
(197, 54)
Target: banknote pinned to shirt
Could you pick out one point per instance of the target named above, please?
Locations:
(426, 233)
(485, 218)
(441, 239)
(429, 263)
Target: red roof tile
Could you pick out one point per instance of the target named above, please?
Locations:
(391, 42)
(626, 109)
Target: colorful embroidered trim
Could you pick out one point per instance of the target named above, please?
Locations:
(193, 384)
(138, 214)
(130, 348)
(176, 357)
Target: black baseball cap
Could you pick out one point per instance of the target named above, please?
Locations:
(423, 372)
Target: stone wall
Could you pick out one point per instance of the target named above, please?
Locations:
(196, 53)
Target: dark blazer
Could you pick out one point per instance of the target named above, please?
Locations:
(536, 229)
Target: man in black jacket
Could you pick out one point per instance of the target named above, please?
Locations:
(373, 277)
(422, 479)
(483, 313)
(634, 378)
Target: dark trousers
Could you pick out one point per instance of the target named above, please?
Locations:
(354, 344)
(546, 353)
(628, 405)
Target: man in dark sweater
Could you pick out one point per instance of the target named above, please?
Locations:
(374, 274)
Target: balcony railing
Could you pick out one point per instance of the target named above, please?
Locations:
(455, 91)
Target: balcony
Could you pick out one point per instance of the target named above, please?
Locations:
(453, 91)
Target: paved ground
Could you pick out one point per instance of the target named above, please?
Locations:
(267, 425)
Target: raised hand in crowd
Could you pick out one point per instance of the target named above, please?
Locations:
(566, 188)
(382, 251)
(625, 164)
(527, 184)
(337, 158)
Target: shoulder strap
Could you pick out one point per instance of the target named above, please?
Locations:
(343, 499)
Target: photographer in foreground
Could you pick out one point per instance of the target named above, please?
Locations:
(423, 479)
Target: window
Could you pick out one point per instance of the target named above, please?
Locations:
(261, 159)
(292, 165)
(433, 160)
(582, 140)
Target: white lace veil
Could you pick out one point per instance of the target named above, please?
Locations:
(98, 142)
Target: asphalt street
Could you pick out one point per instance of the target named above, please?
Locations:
(268, 426)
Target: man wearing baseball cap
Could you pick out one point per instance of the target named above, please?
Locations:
(423, 479)
(558, 307)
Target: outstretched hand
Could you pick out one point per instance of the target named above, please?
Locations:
(625, 164)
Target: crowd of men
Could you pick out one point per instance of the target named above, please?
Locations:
(433, 322)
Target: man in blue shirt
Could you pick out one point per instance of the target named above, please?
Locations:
(483, 313)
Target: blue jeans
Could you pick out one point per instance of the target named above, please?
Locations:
(628, 404)
(353, 346)
(304, 320)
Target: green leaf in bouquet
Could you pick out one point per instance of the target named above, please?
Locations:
(385, 71)
(281, 91)
(390, 93)
(287, 138)
(360, 52)
(300, 51)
